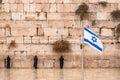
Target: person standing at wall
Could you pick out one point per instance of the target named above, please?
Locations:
(8, 62)
(61, 59)
(35, 62)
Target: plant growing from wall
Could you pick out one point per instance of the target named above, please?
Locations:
(103, 3)
(115, 14)
(61, 46)
(82, 11)
(12, 44)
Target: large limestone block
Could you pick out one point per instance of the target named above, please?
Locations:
(52, 8)
(41, 16)
(59, 1)
(16, 16)
(5, 1)
(56, 24)
(52, 1)
(93, 1)
(44, 40)
(102, 16)
(110, 49)
(113, 1)
(89, 63)
(5, 16)
(11, 1)
(45, 7)
(73, 7)
(18, 1)
(26, 7)
(20, 31)
(32, 8)
(76, 1)
(50, 31)
(104, 63)
(44, 1)
(37, 7)
(67, 1)
(48, 63)
(107, 24)
(30, 16)
(35, 39)
(36, 1)
(62, 31)
(75, 31)
(27, 39)
(59, 7)
(107, 32)
(54, 16)
(20, 7)
(108, 39)
(6, 7)
(26, 64)
(13, 7)
(75, 47)
(66, 7)
(69, 23)
(19, 40)
(25, 1)
(67, 16)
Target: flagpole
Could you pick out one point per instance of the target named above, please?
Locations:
(82, 46)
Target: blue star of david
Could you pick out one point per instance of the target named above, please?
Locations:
(94, 39)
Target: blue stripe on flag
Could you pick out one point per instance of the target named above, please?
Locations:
(90, 31)
(97, 47)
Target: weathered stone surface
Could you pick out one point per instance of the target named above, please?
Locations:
(37, 7)
(101, 16)
(27, 39)
(11, 1)
(16, 16)
(35, 40)
(105, 31)
(36, 24)
(20, 7)
(32, 7)
(5, 16)
(50, 31)
(54, 16)
(41, 16)
(93, 1)
(59, 7)
(23, 31)
(52, 8)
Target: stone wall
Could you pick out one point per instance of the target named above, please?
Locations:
(35, 24)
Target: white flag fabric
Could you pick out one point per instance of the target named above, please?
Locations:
(92, 39)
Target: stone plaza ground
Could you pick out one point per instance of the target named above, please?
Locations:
(58, 74)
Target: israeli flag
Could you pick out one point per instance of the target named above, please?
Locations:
(92, 39)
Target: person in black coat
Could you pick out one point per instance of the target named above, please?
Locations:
(61, 59)
(8, 62)
(35, 61)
